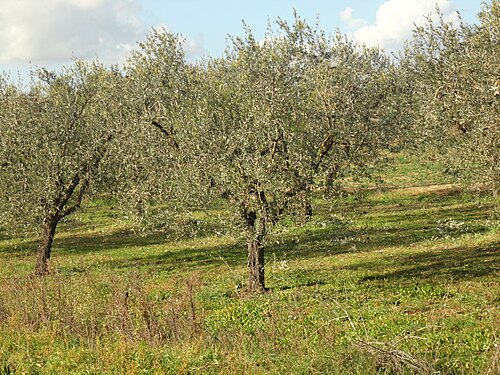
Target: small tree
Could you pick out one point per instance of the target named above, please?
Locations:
(55, 135)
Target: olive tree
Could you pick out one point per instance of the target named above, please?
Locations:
(155, 170)
(260, 128)
(277, 117)
(456, 97)
(54, 137)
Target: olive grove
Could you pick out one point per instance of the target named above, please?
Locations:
(256, 133)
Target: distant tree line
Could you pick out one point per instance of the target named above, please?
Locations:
(257, 131)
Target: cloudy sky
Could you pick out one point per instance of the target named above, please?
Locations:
(51, 32)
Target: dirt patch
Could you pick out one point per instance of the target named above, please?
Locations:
(442, 189)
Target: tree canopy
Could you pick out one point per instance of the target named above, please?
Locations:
(264, 126)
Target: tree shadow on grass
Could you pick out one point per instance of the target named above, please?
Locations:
(461, 262)
(311, 244)
(395, 227)
(331, 241)
(435, 267)
(70, 243)
(189, 258)
(80, 244)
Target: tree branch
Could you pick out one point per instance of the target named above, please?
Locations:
(61, 200)
(87, 170)
(69, 210)
(323, 150)
(168, 135)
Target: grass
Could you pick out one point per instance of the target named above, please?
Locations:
(401, 279)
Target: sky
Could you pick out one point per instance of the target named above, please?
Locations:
(50, 33)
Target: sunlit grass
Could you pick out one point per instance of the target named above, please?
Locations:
(410, 267)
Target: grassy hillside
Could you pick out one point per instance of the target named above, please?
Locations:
(398, 277)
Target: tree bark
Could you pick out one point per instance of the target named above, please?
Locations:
(256, 282)
(307, 210)
(45, 244)
(256, 221)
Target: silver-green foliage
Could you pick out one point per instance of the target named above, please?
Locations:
(54, 135)
(278, 116)
(456, 77)
(151, 178)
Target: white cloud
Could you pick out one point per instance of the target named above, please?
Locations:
(194, 47)
(395, 20)
(350, 21)
(54, 31)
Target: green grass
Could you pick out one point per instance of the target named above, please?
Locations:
(402, 279)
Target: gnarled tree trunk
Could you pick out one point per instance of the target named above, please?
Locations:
(257, 226)
(45, 244)
(256, 282)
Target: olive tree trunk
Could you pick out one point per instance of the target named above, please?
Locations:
(45, 244)
(256, 281)
(257, 229)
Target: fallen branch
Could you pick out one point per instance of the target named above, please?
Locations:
(394, 359)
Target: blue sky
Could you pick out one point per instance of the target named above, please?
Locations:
(209, 22)
(51, 32)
